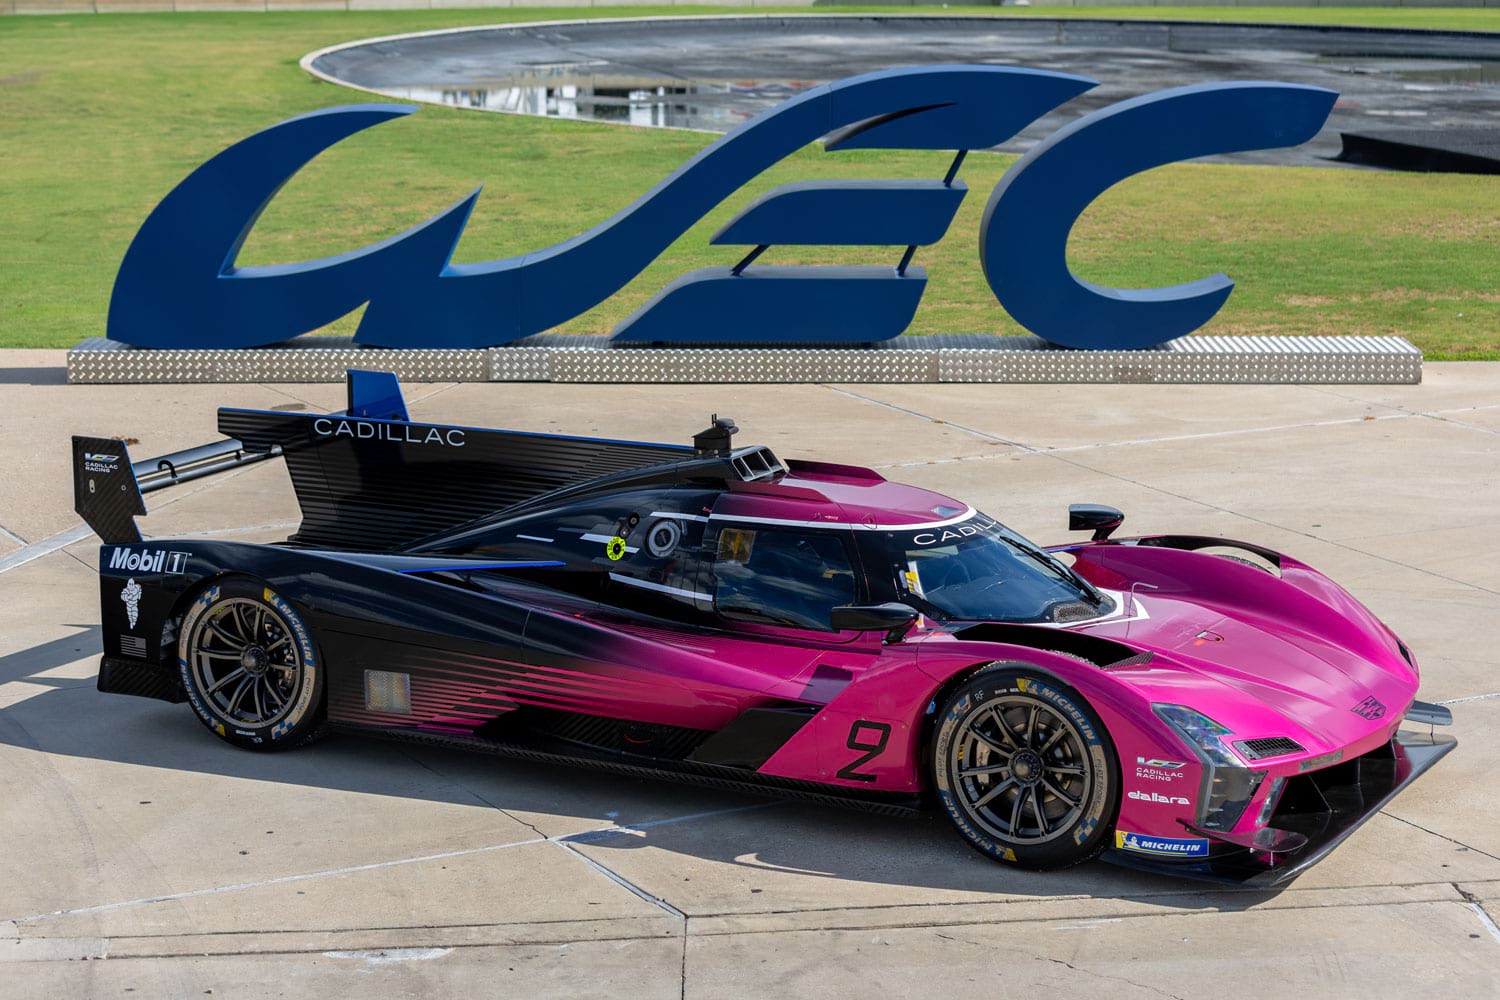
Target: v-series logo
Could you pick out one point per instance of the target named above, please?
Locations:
(103, 464)
(147, 560)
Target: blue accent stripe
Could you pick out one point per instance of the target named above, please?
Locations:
(463, 567)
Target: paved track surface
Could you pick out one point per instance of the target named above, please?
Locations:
(144, 858)
(713, 73)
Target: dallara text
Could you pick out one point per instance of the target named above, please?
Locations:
(713, 613)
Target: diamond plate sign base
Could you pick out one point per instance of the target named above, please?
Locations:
(318, 359)
(940, 358)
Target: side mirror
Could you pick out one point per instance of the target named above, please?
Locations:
(1095, 517)
(891, 617)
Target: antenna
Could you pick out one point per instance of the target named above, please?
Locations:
(1135, 602)
(715, 441)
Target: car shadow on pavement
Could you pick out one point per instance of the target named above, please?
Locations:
(84, 640)
(761, 839)
(45, 375)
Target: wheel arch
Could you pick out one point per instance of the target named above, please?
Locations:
(1032, 679)
(183, 602)
(297, 718)
(961, 676)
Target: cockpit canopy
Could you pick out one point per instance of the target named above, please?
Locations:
(672, 551)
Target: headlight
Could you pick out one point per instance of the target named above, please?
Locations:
(1228, 785)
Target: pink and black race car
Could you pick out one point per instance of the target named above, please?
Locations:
(715, 614)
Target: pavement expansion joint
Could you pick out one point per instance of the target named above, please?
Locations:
(1111, 979)
(11, 929)
(1472, 697)
(273, 941)
(622, 881)
(1486, 920)
(561, 840)
(1440, 836)
(1439, 418)
(930, 419)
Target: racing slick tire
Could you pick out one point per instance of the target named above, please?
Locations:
(1025, 769)
(250, 667)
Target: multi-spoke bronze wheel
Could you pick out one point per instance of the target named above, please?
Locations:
(1025, 769)
(249, 666)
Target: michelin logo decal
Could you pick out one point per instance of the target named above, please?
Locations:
(1177, 847)
(131, 595)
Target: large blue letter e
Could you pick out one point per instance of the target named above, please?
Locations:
(1024, 238)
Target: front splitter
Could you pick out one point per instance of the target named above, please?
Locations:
(1415, 753)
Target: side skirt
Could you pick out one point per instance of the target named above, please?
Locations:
(691, 772)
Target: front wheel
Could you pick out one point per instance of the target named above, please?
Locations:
(1025, 769)
(250, 668)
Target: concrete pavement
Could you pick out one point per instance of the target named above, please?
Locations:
(143, 857)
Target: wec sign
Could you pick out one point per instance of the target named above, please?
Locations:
(179, 286)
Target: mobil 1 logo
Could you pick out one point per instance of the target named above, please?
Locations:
(148, 560)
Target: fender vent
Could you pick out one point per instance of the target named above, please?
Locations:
(1269, 746)
(1074, 611)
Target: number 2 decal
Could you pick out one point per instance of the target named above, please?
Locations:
(872, 741)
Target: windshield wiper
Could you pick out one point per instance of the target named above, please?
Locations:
(1089, 591)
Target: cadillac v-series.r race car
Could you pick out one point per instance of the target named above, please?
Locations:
(713, 613)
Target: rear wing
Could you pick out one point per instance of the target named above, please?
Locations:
(107, 486)
(366, 478)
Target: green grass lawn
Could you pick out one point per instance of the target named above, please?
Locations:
(100, 115)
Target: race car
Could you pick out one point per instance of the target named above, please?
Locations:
(712, 613)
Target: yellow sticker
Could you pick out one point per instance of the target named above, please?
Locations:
(219, 729)
(1009, 855)
(615, 549)
(735, 545)
(913, 583)
(1021, 683)
(269, 596)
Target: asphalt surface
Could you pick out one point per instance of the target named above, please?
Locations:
(713, 73)
(143, 857)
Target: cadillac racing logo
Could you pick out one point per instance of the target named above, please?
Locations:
(131, 595)
(1369, 709)
(93, 462)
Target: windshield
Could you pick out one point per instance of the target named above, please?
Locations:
(980, 570)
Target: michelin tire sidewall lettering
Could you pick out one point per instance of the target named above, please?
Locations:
(301, 719)
(1090, 829)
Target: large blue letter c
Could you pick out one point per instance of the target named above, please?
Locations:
(1024, 237)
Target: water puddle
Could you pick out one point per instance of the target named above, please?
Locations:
(1438, 72)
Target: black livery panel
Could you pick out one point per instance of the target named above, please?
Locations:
(376, 485)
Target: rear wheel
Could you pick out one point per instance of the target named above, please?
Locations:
(1024, 768)
(250, 668)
